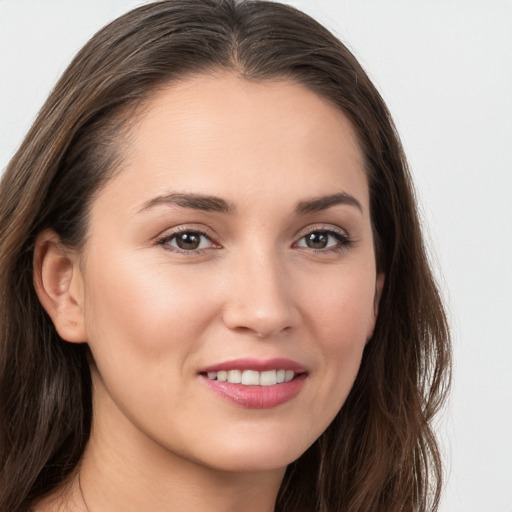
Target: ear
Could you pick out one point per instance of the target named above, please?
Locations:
(59, 286)
(379, 285)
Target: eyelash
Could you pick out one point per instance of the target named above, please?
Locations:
(166, 239)
(343, 240)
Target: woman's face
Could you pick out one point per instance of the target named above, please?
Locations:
(234, 243)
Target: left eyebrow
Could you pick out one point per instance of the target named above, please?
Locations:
(325, 202)
(195, 201)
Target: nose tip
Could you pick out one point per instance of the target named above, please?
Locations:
(260, 302)
(261, 324)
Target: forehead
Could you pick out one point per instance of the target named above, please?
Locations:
(227, 136)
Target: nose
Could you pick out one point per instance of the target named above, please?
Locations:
(260, 299)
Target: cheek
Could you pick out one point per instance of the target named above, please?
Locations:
(143, 334)
(342, 318)
(139, 302)
(142, 326)
(342, 308)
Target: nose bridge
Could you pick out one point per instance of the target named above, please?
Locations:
(259, 295)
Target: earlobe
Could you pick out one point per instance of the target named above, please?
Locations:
(58, 284)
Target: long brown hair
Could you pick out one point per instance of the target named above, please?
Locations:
(380, 453)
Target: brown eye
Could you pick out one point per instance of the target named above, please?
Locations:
(187, 241)
(324, 240)
(317, 240)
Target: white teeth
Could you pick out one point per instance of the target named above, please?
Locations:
(252, 377)
(268, 378)
(235, 376)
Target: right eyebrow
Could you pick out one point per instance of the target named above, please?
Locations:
(195, 201)
(325, 202)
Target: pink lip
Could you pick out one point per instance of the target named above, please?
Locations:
(257, 397)
(258, 365)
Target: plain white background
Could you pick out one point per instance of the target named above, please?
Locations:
(445, 70)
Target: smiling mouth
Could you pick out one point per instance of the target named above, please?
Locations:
(255, 389)
(256, 383)
(252, 377)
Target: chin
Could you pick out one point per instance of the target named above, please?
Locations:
(244, 455)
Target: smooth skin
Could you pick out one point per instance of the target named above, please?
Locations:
(280, 263)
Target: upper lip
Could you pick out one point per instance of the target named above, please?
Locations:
(259, 365)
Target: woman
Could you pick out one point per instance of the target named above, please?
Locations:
(215, 294)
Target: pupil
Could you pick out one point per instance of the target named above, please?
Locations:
(317, 240)
(188, 241)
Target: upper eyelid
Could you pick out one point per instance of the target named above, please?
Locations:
(339, 237)
(322, 227)
(209, 232)
(170, 232)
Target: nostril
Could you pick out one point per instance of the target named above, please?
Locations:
(259, 318)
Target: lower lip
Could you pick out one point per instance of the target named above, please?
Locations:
(257, 397)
